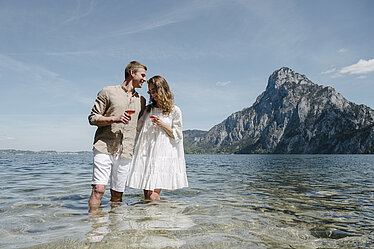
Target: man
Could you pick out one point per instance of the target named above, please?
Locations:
(115, 113)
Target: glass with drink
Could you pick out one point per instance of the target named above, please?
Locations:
(129, 112)
(153, 119)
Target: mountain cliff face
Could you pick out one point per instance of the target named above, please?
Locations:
(293, 115)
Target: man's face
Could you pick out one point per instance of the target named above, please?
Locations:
(138, 78)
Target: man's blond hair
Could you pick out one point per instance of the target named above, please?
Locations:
(133, 66)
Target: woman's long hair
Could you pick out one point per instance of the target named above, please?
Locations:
(165, 97)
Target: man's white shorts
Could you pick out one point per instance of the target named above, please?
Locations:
(105, 165)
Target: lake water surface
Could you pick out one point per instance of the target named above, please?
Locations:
(234, 201)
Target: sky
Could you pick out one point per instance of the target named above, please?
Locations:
(55, 56)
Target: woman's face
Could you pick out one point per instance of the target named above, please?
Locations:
(152, 91)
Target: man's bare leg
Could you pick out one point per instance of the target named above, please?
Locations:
(96, 196)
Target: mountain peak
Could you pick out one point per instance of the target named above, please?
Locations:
(286, 75)
(293, 115)
(282, 73)
(284, 70)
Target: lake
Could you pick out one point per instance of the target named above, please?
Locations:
(234, 201)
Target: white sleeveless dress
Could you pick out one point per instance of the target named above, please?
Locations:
(158, 161)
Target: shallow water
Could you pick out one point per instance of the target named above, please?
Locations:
(234, 201)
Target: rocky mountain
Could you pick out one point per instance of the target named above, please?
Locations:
(293, 115)
(190, 139)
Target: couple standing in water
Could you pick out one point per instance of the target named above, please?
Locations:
(122, 117)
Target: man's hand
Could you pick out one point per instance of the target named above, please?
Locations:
(123, 118)
(104, 121)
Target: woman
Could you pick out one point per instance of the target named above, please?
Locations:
(158, 162)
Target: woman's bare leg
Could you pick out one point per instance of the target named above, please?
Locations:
(152, 195)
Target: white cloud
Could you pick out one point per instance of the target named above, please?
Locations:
(74, 53)
(342, 50)
(223, 83)
(46, 84)
(144, 27)
(29, 71)
(60, 132)
(332, 70)
(362, 77)
(361, 67)
(80, 12)
(6, 138)
(185, 12)
(336, 75)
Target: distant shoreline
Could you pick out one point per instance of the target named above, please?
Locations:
(14, 151)
(52, 152)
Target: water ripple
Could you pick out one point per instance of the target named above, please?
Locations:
(234, 201)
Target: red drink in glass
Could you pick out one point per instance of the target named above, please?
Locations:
(129, 112)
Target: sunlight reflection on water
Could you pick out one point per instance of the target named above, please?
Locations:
(234, 201)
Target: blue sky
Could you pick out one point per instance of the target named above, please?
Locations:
(216, 55)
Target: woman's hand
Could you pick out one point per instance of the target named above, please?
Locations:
(158, 122)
